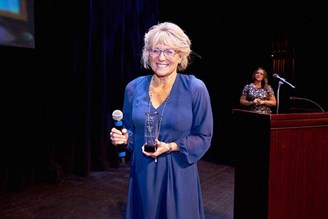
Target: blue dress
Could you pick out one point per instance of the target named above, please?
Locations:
(169, 188)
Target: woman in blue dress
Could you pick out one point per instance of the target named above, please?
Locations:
(165, 183)
(258, 96)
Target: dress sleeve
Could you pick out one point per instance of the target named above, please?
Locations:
(270, 91)
(197, 143)
(127, 112)
(245, 90)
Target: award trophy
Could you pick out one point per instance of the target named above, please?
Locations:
(151, 131)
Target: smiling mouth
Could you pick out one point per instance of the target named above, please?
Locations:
(162, 65)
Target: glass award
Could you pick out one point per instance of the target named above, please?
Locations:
(151, 131)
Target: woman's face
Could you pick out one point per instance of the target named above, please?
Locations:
(259, 75)
(164, 60)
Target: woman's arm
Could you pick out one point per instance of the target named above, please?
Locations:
(245, 102)
(270, 102)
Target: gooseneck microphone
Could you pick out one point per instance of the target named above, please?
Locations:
(282, 80)
(308, 100)
(117, 116)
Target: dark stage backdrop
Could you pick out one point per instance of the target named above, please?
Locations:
(58, 98)
(106, 51)
(235, 37)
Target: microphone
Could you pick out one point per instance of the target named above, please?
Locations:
(305, 99)
(117, 116)
(282, 79)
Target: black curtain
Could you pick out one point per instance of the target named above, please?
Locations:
(107, 48)
(59, 97)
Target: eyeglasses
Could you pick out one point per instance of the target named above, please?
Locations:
(168, 53)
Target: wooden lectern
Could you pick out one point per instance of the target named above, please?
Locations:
(281, 169)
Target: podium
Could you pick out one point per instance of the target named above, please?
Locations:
(281, 169)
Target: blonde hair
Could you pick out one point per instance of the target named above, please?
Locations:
(168, 34)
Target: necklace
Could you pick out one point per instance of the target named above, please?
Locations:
(149, 127)
(165, 102)
(162, 113)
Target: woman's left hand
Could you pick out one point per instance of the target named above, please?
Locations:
(258, 101)
(161, 148)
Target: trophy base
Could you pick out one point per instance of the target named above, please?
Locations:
(149, 148)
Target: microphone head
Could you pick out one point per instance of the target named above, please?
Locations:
(117, 115)
(275, 75)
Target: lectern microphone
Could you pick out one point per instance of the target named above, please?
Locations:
(282, 79)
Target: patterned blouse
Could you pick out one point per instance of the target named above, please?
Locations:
(251, 92)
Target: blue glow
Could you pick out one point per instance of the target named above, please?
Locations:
(12, 6)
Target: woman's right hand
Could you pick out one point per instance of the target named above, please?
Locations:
(117, 137)
(256, 101)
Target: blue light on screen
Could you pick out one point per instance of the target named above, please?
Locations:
(10, 6)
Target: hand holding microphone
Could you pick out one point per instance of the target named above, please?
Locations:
(119, 135)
